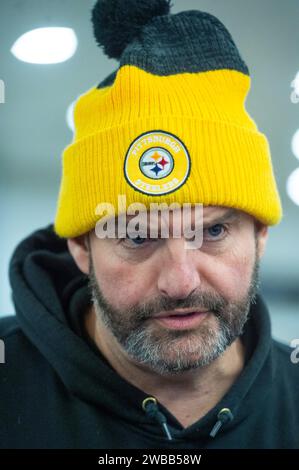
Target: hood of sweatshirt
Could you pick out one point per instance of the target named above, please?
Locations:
(50, 293)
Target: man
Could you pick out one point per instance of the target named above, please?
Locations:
(139, 341)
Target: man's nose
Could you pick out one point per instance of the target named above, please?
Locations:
(178, 276)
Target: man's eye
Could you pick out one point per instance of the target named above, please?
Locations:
(137, 240)
(215, 232)
(143, 240)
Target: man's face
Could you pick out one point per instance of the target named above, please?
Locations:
(133, 282)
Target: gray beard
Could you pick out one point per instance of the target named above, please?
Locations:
(171, 352)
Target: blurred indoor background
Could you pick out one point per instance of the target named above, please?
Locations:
(34, 129)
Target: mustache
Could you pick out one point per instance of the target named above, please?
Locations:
(196, 301)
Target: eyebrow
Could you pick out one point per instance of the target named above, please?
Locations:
(231, 215)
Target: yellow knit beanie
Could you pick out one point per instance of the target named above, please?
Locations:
(169, 125)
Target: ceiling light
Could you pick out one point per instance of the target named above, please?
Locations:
(295, 144)
(293, 186)
(70, 116)
(295, 84)
(46, 45)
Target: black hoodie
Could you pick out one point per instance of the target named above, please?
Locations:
(58, 391)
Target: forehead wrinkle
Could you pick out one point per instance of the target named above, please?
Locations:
(230, 215)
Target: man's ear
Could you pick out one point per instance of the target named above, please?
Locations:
(79, 249)
(262, 237)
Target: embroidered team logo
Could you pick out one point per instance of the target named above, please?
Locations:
(156, 163)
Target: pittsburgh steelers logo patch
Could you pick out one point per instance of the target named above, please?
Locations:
(156, 163)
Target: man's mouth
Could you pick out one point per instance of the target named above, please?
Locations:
(180, 312)
(181, 320)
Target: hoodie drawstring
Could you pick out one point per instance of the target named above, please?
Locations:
(150, 406)
(224, 416)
